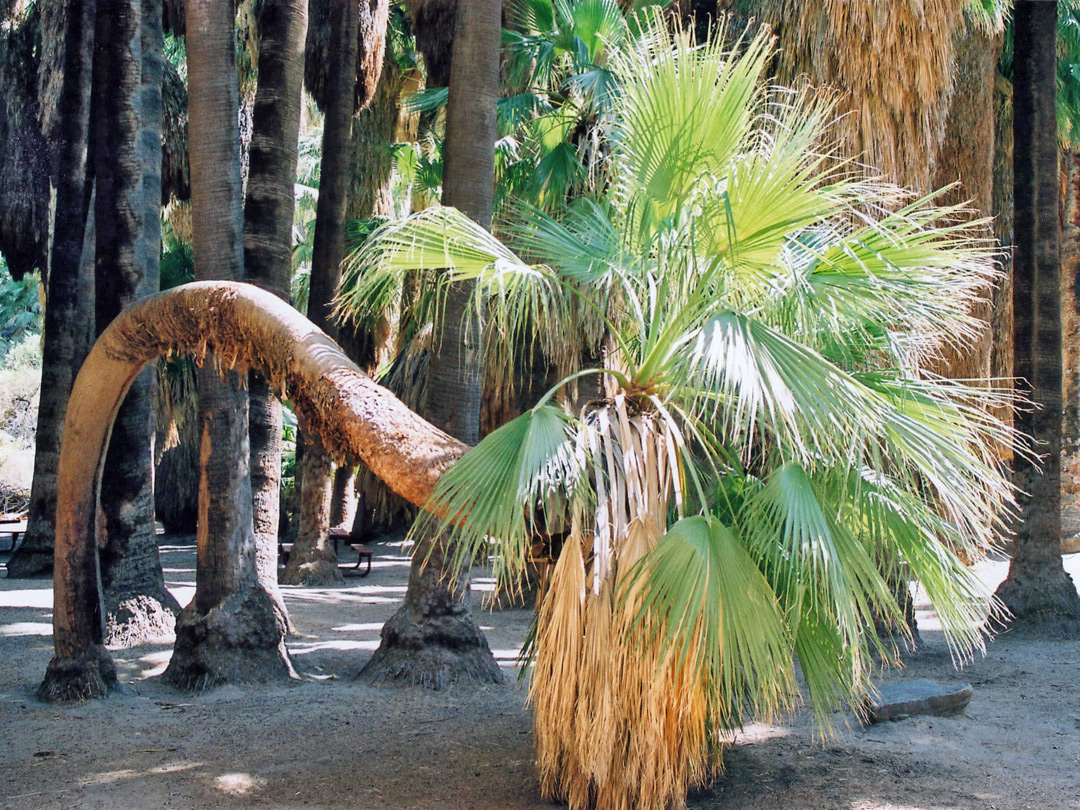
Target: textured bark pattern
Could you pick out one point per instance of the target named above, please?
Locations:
(252, 329)
(268, 220)
(127, 98)
(1070, 359)
(313, 560)
(433, 638)
(1037, 591)
(226, 583)
(69, 308)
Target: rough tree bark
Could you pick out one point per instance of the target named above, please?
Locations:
(230, 631)
(433, 639)
(268, 221)
(1038, 592)
(313, 560)
(127, 99)
(69, 310)
(255, 330)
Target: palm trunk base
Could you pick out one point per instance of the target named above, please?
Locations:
(136, 617)
(239, 642)
(313, 571)
(89, 675)
(432, 652)
(1046, 607)
(29, 562)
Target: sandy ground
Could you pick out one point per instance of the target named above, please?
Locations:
(330, 742)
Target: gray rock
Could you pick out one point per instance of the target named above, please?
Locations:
(922, 696)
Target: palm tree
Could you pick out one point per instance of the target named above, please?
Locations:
(230, 631)
(66, 336)
(433, 639)
(769, 431)
(355, 32)
(268, 237)
(127, 165)
(1038, 592)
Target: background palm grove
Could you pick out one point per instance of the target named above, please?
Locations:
(717, 329)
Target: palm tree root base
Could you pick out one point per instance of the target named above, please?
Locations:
(238, 642)
(89, 675)
(139, 618)
(312, 572)
(1048, 608)
(30, 564)
(432, 652)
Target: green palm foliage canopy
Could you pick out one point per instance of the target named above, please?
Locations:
(769, 434)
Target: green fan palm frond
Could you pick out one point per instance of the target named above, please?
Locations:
(770, 449)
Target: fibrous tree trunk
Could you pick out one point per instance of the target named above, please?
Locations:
(230, 632)
(313, 560)
(127, 115)
(69, 310)
(433, 638)
(268, 221)
(1070, 325)
(1038, 592)
(257, 330)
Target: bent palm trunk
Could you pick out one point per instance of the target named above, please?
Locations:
(244, 328)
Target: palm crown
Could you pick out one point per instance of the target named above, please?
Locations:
(769, 446)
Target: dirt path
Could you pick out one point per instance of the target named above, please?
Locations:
(329, 742)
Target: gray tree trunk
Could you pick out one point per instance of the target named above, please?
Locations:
(1038, 592)
(313, 561)
(433, 639)
(69, 310)
(127, 98)
(230, 632)
(268, 221)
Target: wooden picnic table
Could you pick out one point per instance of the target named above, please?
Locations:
(15, 527)
(337, 534)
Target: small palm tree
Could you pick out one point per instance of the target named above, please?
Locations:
(768, 430)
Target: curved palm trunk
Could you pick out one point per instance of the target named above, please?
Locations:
(255, 330)
(433, 638)
(268, 220)
(127, 96)
(230, 632)
(67, 340)
(1038, 591)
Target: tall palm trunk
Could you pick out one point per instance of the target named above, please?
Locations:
(1070, 325)
(268, 219)
(313, 560)
(68, 310)
(230, 631)
(433, 639)
(1038, 592)
(127, 98)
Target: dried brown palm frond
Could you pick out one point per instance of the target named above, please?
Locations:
(433, 24)
(175, 171)
(24, 180)
(176, 479)
(371, 44)
(893, 63)
(640, 734)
